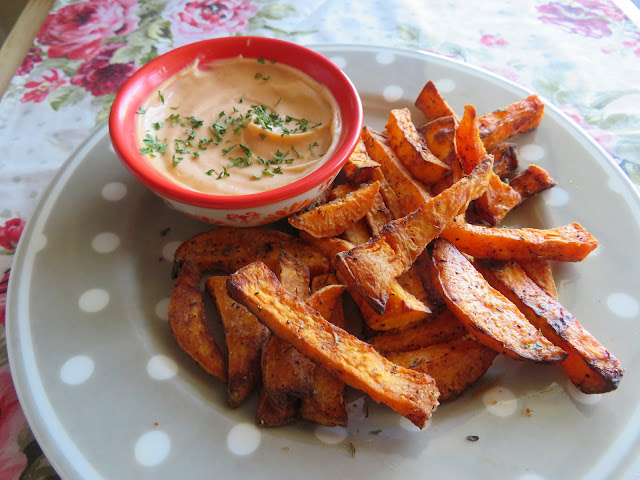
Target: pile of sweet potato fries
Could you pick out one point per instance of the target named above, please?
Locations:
(410, 230)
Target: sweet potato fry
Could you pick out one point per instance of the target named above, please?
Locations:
(519, 117)
(359, 166)
(406, 143)
(402, 307)
(378, 216)
(589, 365)
(411, 194)
(540, 272)
(269, 414)
(189, 325)
(227, 249)
(388, 194)
(454, 365)
(326, 404)
(244, 336)
(443, 328)
(499, 198)
(439, 136)
(505, 158)
(431, 103)
(286, 372)
(532, 181)
(492, 319)
(412, 394)
(333, 218)
(371, 268)
(569, 243)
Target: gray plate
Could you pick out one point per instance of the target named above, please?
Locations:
(109, 395)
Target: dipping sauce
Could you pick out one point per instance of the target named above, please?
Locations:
(238, 126)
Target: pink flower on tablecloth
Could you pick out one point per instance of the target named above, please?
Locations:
(100, 77)
(492, 41)
(12, 460)
(10, 233)
(587, 22)
(76, 31)
(33, 56)
(201, 19)
(38, 90)
(4, 284)
(606, 9)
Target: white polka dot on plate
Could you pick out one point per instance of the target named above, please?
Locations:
(105, 242)
(623, 305)
(161, 367)
(357, 409)
(445, 85)
(531, 476)
(531, 152)
(243, 439)
(330, 435)
(93, 300)
(500, 401)
(76, 370)
(580, 397)
(162, 308)
(39, 241)
(152, 448)
(556, 197)
(385, 58)
(407, 424)
(392, 93)
(340, 62)
(169, 250)
(114, 191)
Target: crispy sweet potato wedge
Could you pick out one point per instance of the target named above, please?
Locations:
(227, 249)
(532, 181)
(569, 243)
(286, 372)
(389, 195)
(411, 194)
(519, 117)
(269, 414)
(499, 198)
(334, 217)
(412, 394)
(439, 136)
(589, 364)
(505, 158)
(326, 406)
(540, 272)
(244, 336)
(431, 103)
(378, 216)
(189, 324)
(371, 268)
(406, 143)
(402, 307)
(454, 365)
(492, 319)
(443, 328)
(359, 166)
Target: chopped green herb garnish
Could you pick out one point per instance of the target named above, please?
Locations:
(141, 110)
(224, 173)
(311, 146)
(157, 125)
(153, 144)
(375, 432)
(210, 172)
(262, 136)
(161, 96)
(260, 59)
(295, 151)
(176, 160)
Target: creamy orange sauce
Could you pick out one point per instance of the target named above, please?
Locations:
(238, 126)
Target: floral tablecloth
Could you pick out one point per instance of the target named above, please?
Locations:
(581, 55)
